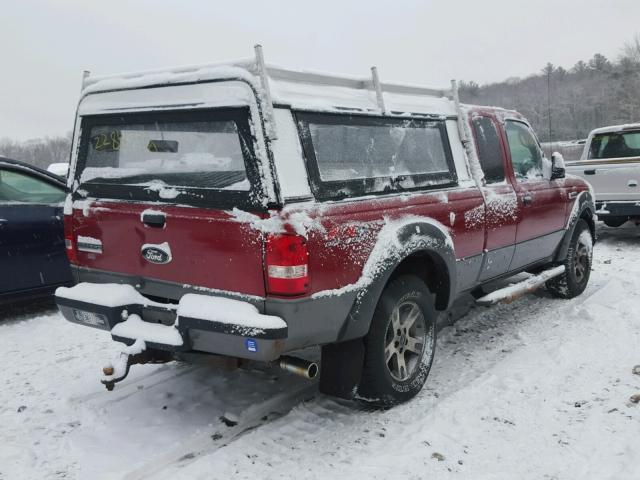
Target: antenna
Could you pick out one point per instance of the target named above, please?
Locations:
(267, 102)
(378, 87)
(549, 106)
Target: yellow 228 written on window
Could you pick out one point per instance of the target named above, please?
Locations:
(107, 141)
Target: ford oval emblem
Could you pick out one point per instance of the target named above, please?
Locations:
(158, 254)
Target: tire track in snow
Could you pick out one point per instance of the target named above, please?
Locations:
(467, 351)
(132, 385)
(496, 328)
(206, 443)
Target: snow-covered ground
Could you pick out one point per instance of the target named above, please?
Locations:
(537, 389)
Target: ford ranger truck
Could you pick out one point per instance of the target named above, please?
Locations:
(611, 164)
(248, 212)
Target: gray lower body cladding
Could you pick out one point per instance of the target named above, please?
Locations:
(310, 321)
(223, 338)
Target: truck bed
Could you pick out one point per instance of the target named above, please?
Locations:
(613, 179)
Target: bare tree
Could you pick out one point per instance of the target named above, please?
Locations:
(631, 49)
(40, 152)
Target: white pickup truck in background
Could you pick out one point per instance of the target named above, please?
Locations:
(611, 164)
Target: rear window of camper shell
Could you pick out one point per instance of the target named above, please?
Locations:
(191, 157)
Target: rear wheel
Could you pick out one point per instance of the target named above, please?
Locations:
(400, 345)
(615, 221)
(577, 265)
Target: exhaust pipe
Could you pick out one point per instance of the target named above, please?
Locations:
(298, 366)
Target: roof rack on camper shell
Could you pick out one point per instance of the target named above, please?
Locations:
(302, 90)
(296, 88)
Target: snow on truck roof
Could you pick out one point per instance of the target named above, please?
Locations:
(294, 88)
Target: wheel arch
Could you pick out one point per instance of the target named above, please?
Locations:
(432, 269)
(424, 248)
(583, 209)
(588, 216)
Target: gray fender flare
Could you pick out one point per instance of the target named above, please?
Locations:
(414, 236)
(583, 204)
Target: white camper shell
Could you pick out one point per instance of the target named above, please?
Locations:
(271, 92)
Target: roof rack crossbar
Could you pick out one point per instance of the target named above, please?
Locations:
(415, 90)
(278, 73)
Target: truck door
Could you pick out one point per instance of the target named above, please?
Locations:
(501, 206)
(32, 251)
(542, 202)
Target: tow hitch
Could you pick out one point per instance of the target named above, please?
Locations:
(118, 369)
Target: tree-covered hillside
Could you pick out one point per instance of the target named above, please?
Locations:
(589, 95)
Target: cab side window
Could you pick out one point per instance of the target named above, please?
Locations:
(526, 155)
(489, 149)
(22, 188)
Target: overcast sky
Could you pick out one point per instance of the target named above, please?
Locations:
(46, 45)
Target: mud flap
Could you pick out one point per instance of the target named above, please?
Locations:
(341, 368)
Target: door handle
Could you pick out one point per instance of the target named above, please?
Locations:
(3, 223)
(155, 219)
(572, 195)
(590, 172)
(527, 199)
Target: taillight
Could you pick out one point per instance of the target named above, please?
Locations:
(286, 264)
(69, 241)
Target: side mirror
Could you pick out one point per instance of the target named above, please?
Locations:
(557, 166)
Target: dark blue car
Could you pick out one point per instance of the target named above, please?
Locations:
(33, 261)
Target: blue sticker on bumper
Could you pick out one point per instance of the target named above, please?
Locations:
(251, 344)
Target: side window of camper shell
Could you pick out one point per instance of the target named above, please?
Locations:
(351, 155)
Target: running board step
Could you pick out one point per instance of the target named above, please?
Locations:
(516, 290)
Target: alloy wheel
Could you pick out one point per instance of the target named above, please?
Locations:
(407, 340)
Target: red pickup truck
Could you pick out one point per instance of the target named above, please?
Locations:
(249, 212)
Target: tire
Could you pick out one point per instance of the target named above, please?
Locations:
(614, 221)
(390, 344)
(577, 264)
